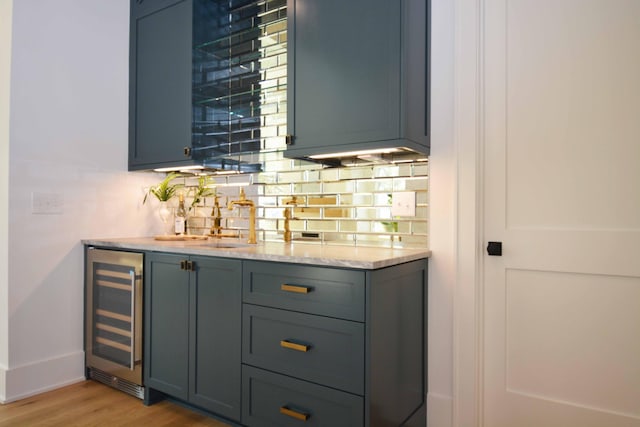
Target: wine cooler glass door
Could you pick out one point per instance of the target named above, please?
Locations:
(114, 312)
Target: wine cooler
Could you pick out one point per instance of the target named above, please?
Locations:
(113, 326)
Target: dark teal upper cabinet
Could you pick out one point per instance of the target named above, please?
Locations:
(160, 83)
(205, 81)
(357, 75)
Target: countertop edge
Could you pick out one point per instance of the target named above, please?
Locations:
(358, 257)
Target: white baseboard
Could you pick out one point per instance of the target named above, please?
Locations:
(3, 377)
(35, 378)
(439, 410)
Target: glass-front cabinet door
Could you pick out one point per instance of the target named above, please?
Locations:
(239, 80)
(207, 82)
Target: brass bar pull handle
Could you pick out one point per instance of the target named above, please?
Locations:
(302, 416)
(294, 346)
(295, 288)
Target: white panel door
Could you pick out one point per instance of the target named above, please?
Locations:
(561, 137)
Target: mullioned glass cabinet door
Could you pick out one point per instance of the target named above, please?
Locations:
(207, 82)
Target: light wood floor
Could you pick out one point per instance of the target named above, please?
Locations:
(90, 403)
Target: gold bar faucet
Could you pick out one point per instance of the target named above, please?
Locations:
(287, 217)
(244, 202)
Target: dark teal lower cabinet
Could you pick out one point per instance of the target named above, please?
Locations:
(193, 330)
(334, 347)
(269, 344)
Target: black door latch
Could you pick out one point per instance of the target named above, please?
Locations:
(494, 248)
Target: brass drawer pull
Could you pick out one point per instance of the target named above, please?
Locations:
(302, 416)
(296, 289)
(294, 346)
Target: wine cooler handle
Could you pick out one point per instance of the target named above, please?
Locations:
(132, 273)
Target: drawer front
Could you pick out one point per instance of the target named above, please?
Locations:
(314, 348)
(273, 400)
(315, 290)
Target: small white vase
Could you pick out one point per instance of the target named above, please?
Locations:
(164, 212)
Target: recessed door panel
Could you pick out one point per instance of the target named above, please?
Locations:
(561, 314)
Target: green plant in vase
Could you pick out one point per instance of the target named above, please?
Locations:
(202, 190)
(164, 191)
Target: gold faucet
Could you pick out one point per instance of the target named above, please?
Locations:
(287, 217)
(243, 202)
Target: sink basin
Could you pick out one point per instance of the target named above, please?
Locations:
(216, 244)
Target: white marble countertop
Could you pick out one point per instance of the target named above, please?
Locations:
(359, 257)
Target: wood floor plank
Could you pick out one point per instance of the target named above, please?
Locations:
(91, 404)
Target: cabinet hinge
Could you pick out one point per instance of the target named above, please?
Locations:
(187, 151)
(289, 139)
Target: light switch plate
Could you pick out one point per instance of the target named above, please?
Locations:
(403, 203)
(47, 203)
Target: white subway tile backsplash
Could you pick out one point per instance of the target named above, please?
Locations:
(322, 225)
(307, 188)
(312, 175)
(288, 177)
(415, 184)
(381, 199)
(279, 189)
(419, 227)
(420, 169)
(348, 226)
(357, 199)
(386, 171)
(373, 213)
(278, 165)
(338, 187)
(341, 206)
(327, 175)
(355, 173)
(266, 178)
(422, 197)
(375, 185)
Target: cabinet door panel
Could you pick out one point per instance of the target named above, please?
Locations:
(166, 325)
(330, 58)
(160, 85)
(215, 336)
(346, 84)
(358, 76)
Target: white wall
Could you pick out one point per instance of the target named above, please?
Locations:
(69, 109)
(5, 66)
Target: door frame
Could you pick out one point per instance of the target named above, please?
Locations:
(469, 146)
